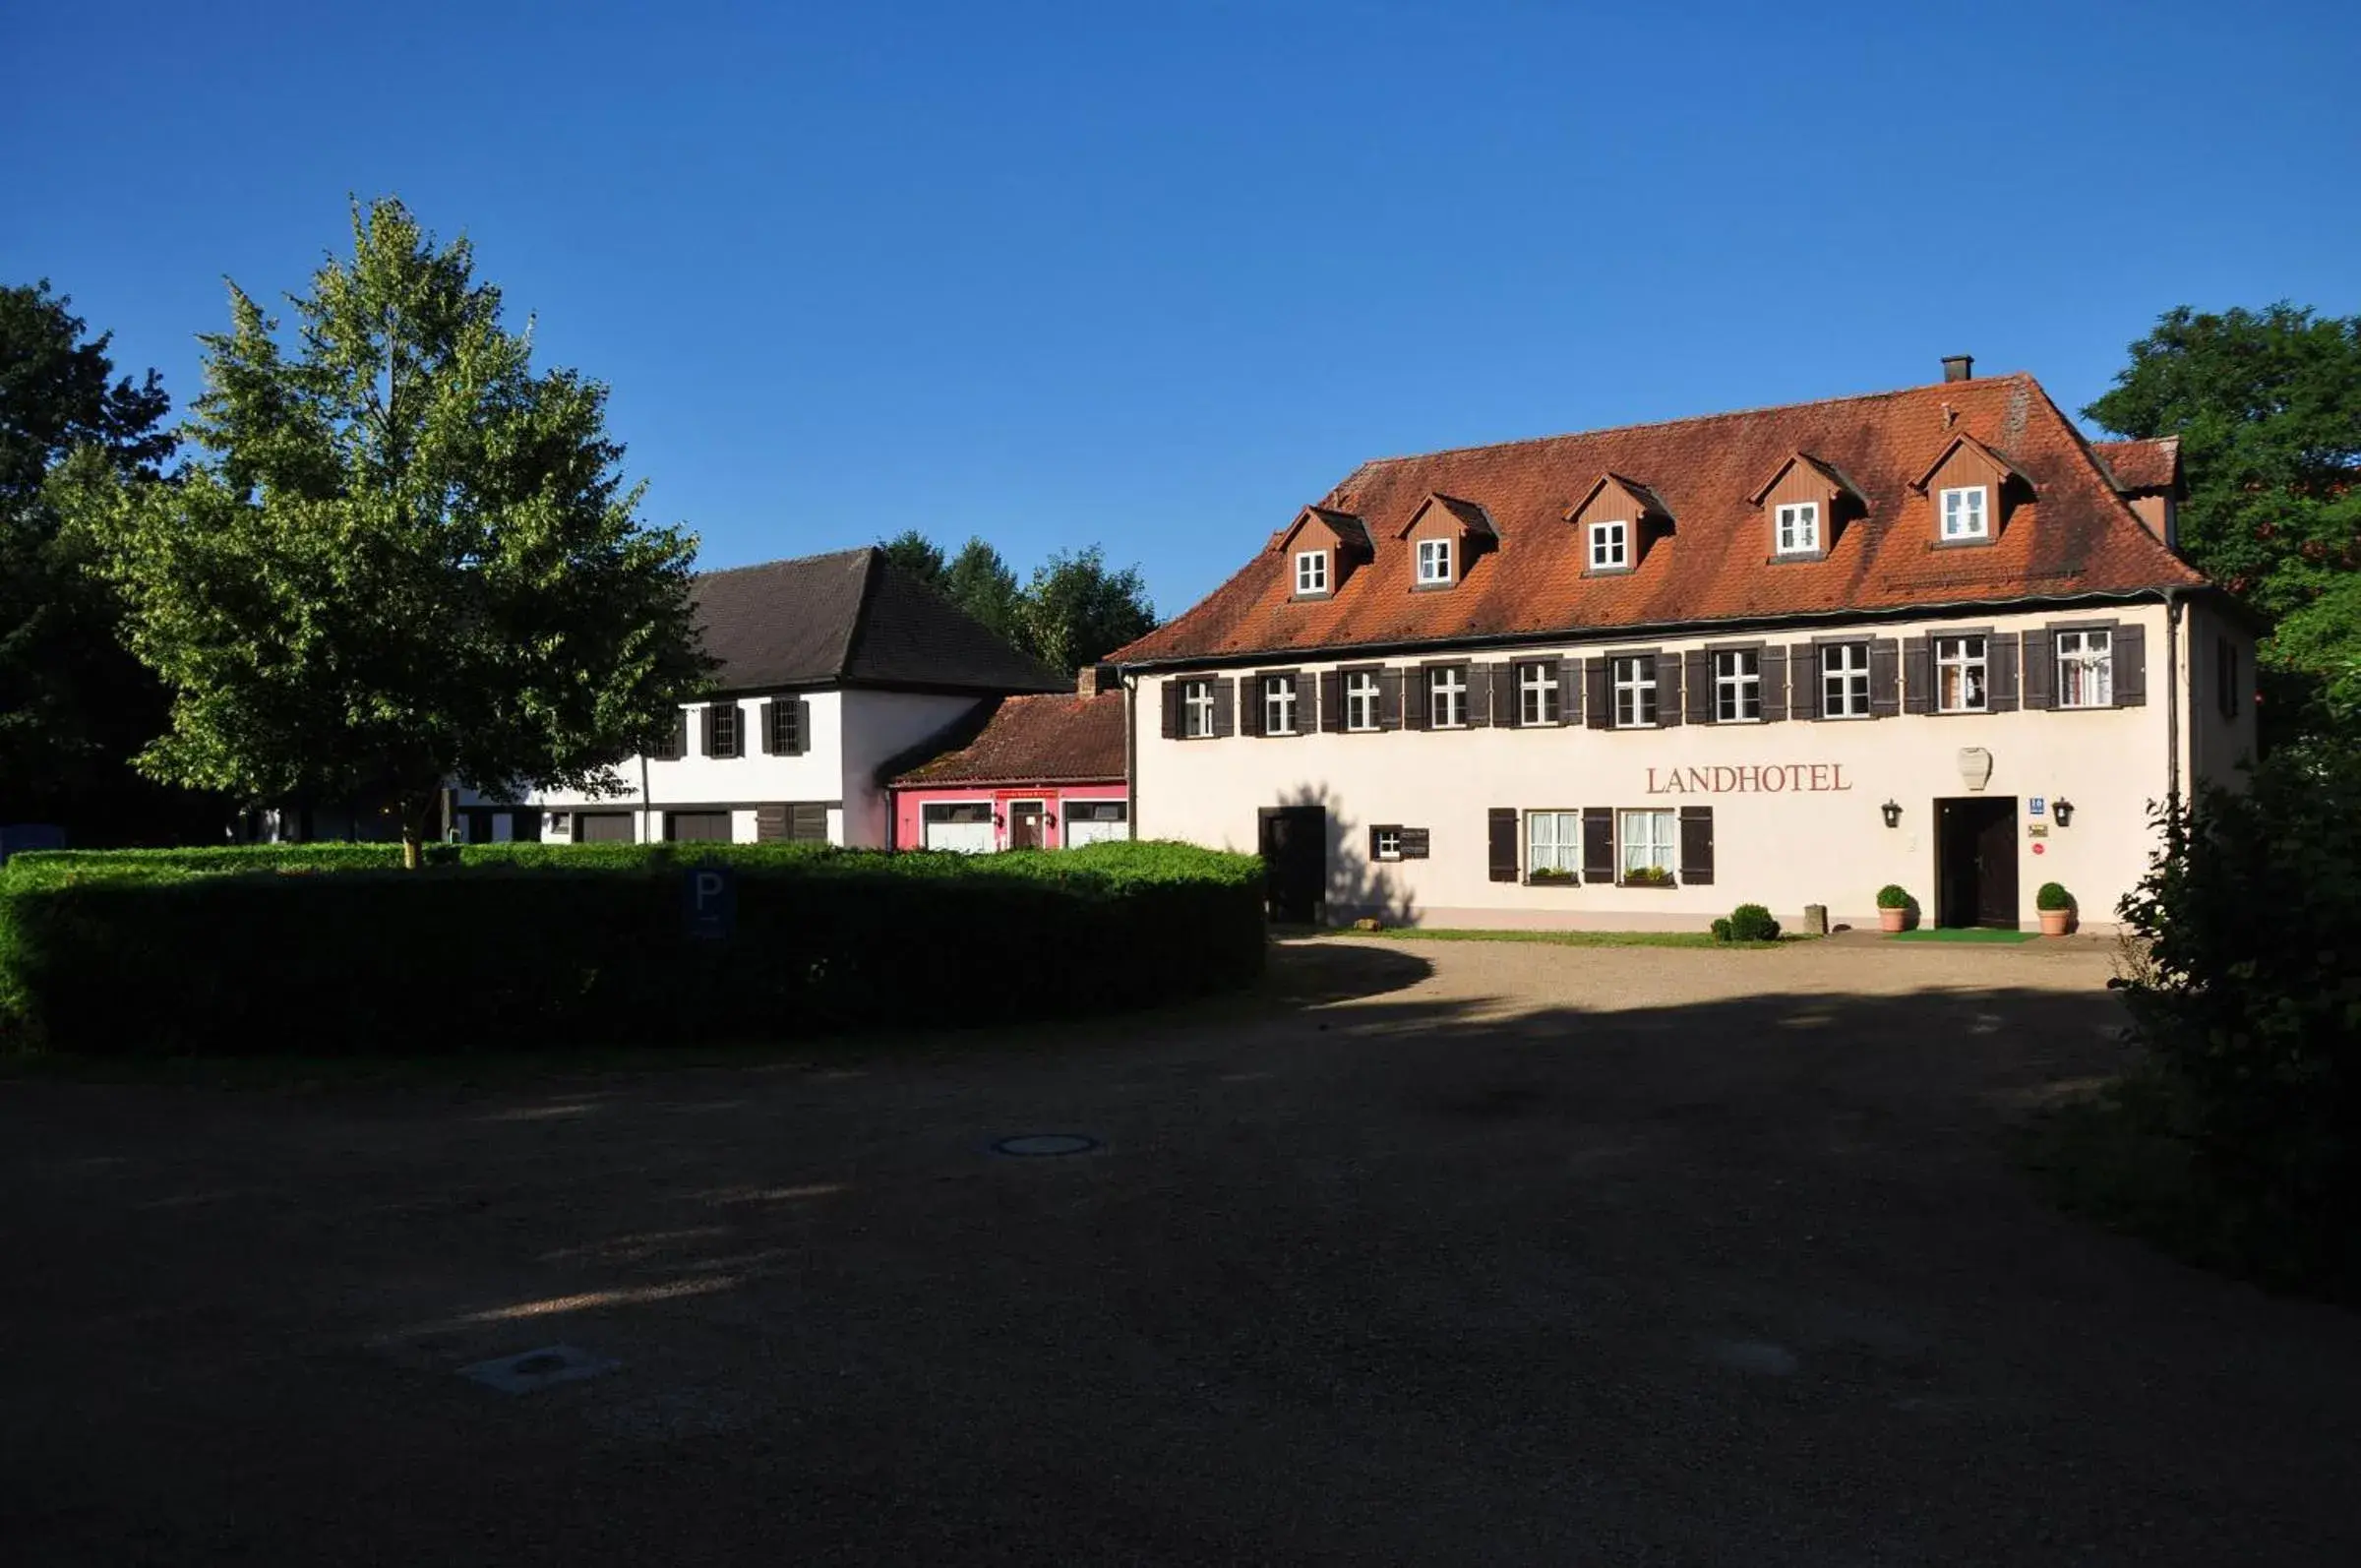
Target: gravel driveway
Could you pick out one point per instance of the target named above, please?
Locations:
(1459, 1252)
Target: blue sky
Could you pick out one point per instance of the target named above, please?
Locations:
(1153, 276)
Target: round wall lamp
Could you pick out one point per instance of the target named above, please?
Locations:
(2063, 810)
(1892, 811)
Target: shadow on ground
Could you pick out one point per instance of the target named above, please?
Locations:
(1442, 1257)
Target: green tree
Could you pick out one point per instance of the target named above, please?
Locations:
(408, 558)
(74, 705)
(2268, 406)
(916, 554)
(980, 582)
(1075, 612)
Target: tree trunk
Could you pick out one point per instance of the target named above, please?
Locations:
(415, 810)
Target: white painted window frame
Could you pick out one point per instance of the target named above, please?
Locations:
(1974, 678)
(1312, 571)
(1979, 514)
(1434, 562)
(1633, 676)
(1559, 847)
(1378, 846)
(1798, 529)
(1737, 684)
(1278, 704)
(1447, 693)
(1633, 852)
(1537, 694)
(1362, 696)
(1610, 544)
(1196, 710)
(1845, 687)
(2087, 667)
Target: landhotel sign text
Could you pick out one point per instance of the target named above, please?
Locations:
(1776, 778)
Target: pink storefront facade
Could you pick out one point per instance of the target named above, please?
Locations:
(1017, 815)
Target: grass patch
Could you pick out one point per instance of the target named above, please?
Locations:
(1567, 939)
(1964, 933)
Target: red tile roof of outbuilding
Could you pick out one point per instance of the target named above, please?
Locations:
(2152, 464)
(2074, 537)
(1037, 740)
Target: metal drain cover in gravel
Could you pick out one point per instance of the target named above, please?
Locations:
(537, 1369)
(1045, 1145)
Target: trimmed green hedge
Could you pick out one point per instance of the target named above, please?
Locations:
(301, 950)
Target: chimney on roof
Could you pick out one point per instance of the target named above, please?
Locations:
(1093, 679)
(1959, 367)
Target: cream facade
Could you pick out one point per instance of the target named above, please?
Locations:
(1787, 811)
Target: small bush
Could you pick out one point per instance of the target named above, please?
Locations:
(1893, 896)
(1752, 923)
(537, 945)
(2053, 895)
(1721, 927)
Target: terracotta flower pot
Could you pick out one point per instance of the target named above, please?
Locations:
(1893, 920)
(2056, 922)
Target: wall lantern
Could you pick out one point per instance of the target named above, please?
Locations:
(2063, 810)
(1892, 811)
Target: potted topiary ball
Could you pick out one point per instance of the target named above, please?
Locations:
(2057, 909)
(1893, 907)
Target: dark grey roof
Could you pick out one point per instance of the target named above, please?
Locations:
(851, 618)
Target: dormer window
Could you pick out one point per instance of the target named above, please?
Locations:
(1434, 562)
(1964, 514)
(1312, 571)
(1799, 528)
(1610, 546)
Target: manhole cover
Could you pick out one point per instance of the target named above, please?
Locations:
(535, 1369)
(1045, 1145)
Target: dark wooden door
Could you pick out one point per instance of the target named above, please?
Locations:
(1975, 861)
(1294, 858)
(1024, 825)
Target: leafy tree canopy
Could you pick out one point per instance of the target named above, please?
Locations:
(2268, 406)
(73, 705)
(1073, 611)
(407, 558)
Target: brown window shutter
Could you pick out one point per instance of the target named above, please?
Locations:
(766, 724)
(1502, 823)
(808, 823)
(1303, 689)
(1803, 682)
(803, 726)
(1569, 691)
(1885, 677)
(1250, 705)
(1698, 687)
(1172, 711)
(1413, 695)
(680, 734)
(706, 725)
(1601, 698)
(1225, 708)
(2131, 666)
(1389, 699)
(1480, 694)
(1500, 684)
(1697, 846)
(770, 824)
(1668, 688)
(1775, 685)
(2039, 669)
(1332, 702)
(1917, 676)
(1597, 844)
(2000, 686)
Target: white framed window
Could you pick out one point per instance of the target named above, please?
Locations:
(1196, 710)
(1647, 845)
(1960, 675)
(1737, 687)
(1278, 704)
(2085, 669)
(1385, 843)
(1964, 515)
(1553, 843)
(1845, 681)
(1799, 528)
(1610, 546)
(1635, 690)
(1360, 700)
(1537, 694)
(1435, 562)
(1312, 571)
(1447, 697)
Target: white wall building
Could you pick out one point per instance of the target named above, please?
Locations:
(831, 667)
(1633, 678)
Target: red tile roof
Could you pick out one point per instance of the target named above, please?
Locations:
(2152, 464)
(2073, 537)
(1037, 740)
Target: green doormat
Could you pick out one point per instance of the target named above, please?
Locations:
(1965, 933)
